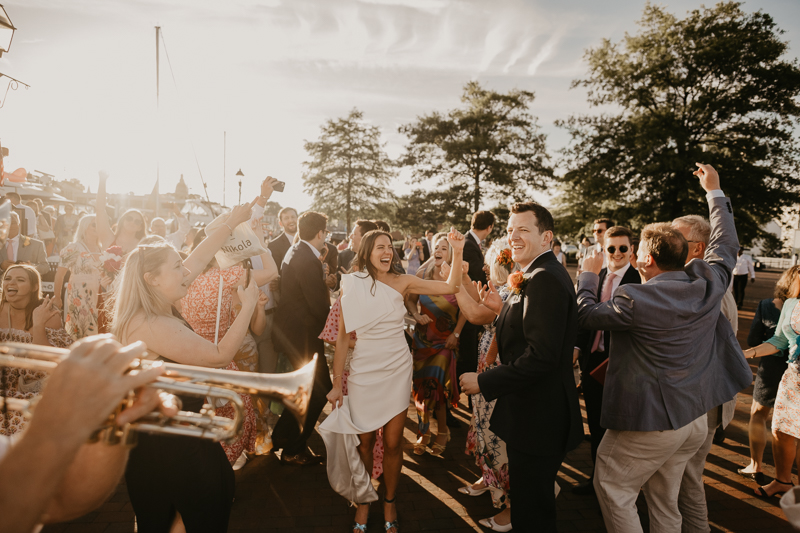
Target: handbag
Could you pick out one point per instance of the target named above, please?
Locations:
(242, 244)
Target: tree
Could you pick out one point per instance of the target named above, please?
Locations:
(491, 146)
(709, 88)
(349, 170)
(423, 210)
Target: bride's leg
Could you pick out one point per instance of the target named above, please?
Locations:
(365, 451)
(392, 462)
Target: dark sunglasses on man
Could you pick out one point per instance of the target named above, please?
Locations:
(613, 249)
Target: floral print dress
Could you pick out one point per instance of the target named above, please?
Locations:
(489, 449)
(21, 383)
(199, 308)
(82, 300)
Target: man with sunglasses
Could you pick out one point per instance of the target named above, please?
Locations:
(594, 345)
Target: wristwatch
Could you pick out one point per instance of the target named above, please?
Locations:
(456, 334)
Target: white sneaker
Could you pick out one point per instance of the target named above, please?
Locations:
(240, 462)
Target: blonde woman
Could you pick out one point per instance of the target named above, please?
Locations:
(171, 476)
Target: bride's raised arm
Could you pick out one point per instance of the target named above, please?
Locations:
(453, 284)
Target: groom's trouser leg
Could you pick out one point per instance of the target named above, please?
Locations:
(532, 479)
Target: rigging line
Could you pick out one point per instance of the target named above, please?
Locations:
(191, 142)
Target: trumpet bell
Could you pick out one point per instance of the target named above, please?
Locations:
(292, 389)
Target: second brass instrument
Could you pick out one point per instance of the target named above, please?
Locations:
(293, 389)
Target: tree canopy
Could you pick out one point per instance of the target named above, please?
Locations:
(348, 170)
(489, 147)
(712, 87)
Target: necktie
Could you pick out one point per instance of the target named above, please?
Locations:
(606, 296)
(10, 251)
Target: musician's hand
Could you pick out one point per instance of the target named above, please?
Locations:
(148, 400)
(469, 383)
(709, 179)
(335, 396)
(88, 385)
(489, 297)
(593, 263)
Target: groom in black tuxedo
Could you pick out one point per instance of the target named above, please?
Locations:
(299, 320)
(537, 412)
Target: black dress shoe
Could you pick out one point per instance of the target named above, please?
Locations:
(584, 489)
(304, 458)
(719, 435)
(758, 477)
(452, 422)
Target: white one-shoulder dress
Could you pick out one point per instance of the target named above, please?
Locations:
(379, 385)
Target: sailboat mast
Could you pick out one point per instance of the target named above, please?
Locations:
(158, 199)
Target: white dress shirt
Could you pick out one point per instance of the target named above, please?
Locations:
(477, 239)
(317, 253)
(744, 266)
(526, 267)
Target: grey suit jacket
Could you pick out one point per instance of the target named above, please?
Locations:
(673, 355)
(34, 254)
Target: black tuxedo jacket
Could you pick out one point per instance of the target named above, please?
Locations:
(279, 246)
(426, 250)
(586, 336)
(537, 403)
(474, 256)
(303, 307)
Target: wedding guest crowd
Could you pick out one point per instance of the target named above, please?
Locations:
(651, 328)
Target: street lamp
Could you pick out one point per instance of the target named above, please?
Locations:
(7, 30)
(241, 175)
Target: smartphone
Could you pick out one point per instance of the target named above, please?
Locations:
(278, 187)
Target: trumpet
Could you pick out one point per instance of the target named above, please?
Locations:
(293, 389)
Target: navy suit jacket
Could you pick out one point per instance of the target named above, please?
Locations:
(303, 307)
(537, 402)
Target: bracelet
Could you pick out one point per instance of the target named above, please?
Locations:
(336, 377)
(229, 227)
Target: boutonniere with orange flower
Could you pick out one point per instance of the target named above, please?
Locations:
(517, 282)
(25, 240)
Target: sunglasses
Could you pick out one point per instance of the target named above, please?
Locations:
(613, 249)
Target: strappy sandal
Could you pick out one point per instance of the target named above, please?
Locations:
(436, 448)
(361, 527)
(762, 493)
(422, 445)
(393, 524)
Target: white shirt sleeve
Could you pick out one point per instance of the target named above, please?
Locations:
(716, 193)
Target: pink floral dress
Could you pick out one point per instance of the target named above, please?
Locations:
(199, 308)
(329, 334)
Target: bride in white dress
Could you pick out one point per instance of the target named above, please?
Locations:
(379, 384)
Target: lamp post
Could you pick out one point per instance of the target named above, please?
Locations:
(241, 175)
(7, 30)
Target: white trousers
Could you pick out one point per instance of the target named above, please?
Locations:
(653, 461)
(692, 496)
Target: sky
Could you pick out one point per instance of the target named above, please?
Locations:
(264, 75)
